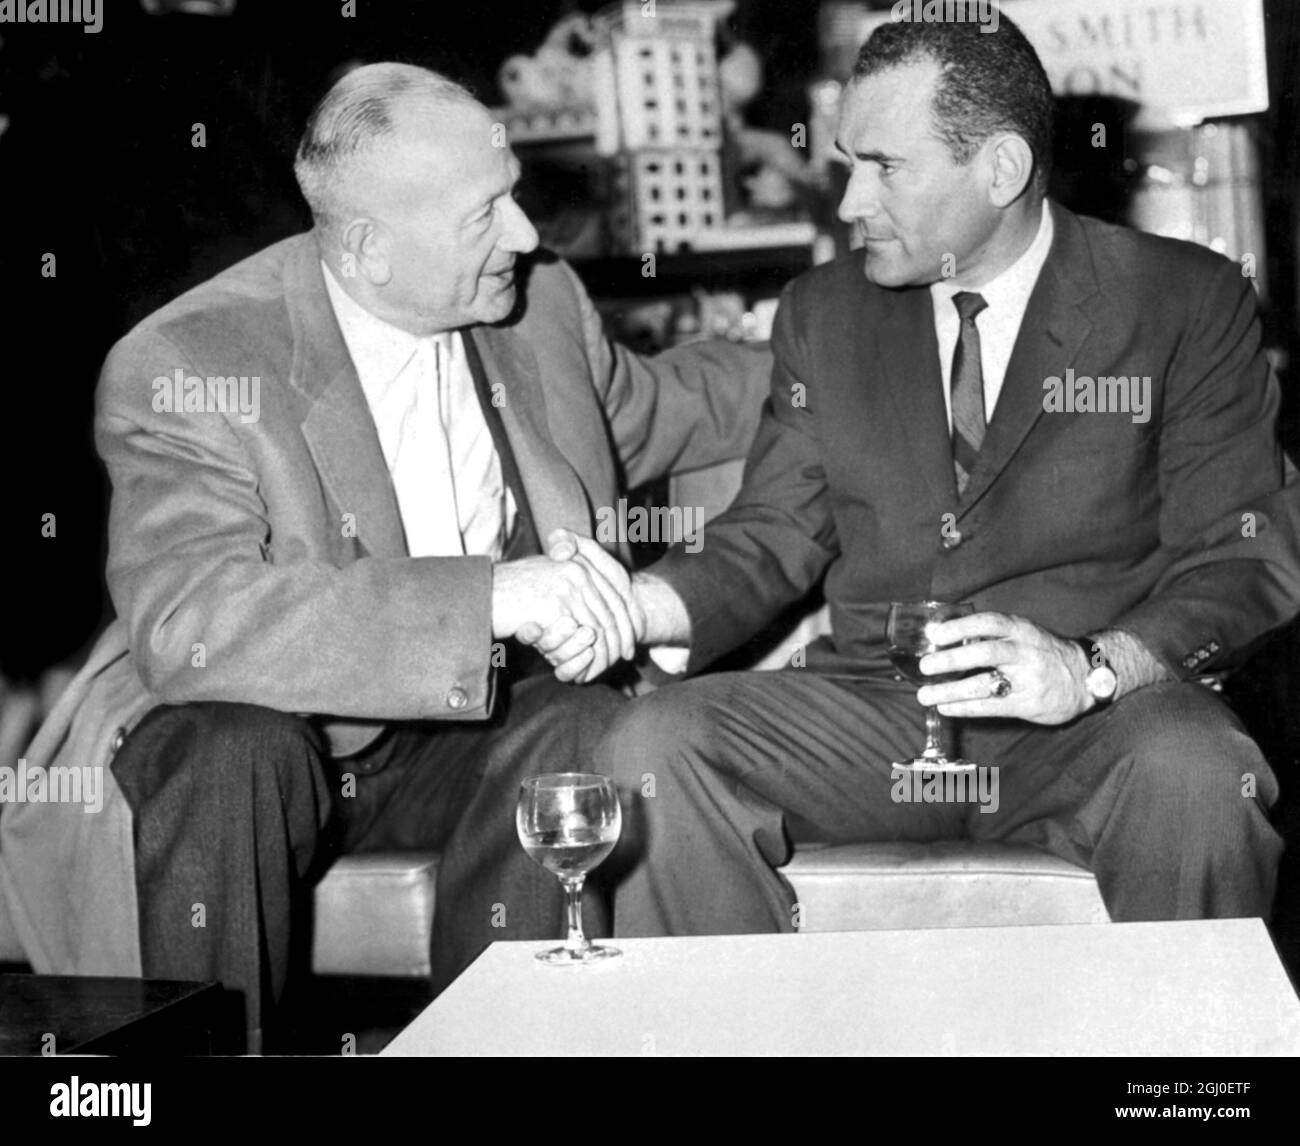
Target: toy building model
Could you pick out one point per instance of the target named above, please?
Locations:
(639, 85)
(657, 86)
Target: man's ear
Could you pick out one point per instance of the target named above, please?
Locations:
(365, 251)
(1011, 161)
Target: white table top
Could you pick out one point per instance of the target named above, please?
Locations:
(1212, 987)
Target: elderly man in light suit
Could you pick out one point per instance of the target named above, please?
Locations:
(317, 599)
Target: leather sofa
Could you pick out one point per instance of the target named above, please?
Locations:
(374, 913)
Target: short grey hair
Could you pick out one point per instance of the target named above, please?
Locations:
(351, 117)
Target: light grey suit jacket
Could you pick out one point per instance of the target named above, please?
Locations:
(264, 561)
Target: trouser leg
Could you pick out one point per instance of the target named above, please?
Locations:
(1164, 796)
(456, 791)
(229, 802)
(722, 771)
(233, 804)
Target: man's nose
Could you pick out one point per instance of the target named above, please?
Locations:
(519, 235)
(860, 199)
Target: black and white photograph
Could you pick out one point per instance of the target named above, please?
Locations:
(650, 529)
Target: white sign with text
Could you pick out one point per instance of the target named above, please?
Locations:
(1181, 62)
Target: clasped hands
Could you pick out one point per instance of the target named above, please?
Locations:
(577, 606)
(581, 610)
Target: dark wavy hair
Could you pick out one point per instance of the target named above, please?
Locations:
(989, 82)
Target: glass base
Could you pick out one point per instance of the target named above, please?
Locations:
(935, 764)
(568, 957)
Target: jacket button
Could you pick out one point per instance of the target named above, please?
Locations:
(952, 540)
(1213, 646)
(1190, 661)
(457, 698)
(119, 738)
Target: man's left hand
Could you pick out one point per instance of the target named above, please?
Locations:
(1046, 673)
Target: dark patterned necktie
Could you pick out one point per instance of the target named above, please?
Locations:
(967, 389)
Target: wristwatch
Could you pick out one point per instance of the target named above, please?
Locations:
(1101, 681)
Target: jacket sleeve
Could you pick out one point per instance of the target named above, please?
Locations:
(777, 538)
(1228, 502)
(218, 606)
(679, 410)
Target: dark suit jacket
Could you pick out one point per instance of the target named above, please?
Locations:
(264, 561)
(1075, 521)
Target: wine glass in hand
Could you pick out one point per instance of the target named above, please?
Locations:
(569, 822)
(908, 632)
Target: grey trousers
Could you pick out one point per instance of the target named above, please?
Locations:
(238, 810)
(1162, 795)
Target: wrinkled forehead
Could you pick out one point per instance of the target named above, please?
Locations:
(889, 110)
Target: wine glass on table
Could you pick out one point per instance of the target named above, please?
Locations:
(908, 632)
(569, 822)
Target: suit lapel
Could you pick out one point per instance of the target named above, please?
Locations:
(1055, 325)
(554, 492)
(339, 428)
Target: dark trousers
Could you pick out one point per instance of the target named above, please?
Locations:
(238, 810)
(1163, 796)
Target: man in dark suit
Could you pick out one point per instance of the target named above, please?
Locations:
(335, 467)
(1070, 425)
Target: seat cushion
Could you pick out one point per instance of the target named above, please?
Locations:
(374, 915)
(900, 886)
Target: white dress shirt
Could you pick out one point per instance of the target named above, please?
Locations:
(447, 476)
(999, 324)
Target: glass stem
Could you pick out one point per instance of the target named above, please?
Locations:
(933, 732)
(576, 942)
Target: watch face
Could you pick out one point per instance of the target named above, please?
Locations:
(1102, 682)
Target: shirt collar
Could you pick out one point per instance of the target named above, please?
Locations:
(1010, 291)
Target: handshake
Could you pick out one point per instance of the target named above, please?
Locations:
(577, 606)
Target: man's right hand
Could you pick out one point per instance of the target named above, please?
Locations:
(567, 597)
(658, 613)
